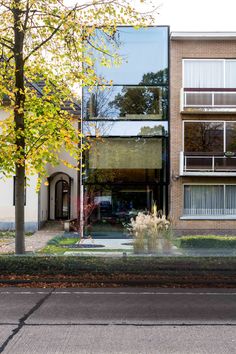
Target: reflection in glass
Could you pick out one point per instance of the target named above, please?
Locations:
(109, 208)
(125, 167)
(112, 209)
(123, 176)
(141, 51)
(203, 137)
(231, 136)
(125, 102)
(128, 128)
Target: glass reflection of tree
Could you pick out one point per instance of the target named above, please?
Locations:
(152, 131)
(231, 136)
(156, 79)
(97, 107)
(136, 100)
(204, 137)
(97, 103)
(143, 99)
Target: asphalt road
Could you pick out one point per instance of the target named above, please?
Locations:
(128, 320)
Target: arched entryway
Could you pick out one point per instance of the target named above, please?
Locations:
(59, 198)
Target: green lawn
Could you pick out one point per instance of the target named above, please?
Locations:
(11, 234)
(51, 249)
(206, 241)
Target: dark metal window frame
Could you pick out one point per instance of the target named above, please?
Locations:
(165, 139)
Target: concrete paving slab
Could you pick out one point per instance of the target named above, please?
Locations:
(109, 243)
(122, 340)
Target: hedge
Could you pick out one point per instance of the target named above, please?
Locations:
(41, 265)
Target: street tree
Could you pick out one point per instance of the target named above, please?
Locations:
(52, 43)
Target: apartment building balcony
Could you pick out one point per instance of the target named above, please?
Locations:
(207, 164)
(204, 100)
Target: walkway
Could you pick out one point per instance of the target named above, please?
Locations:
(35, 242)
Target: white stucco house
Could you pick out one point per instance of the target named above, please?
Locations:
(54, 201)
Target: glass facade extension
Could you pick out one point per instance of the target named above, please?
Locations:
(126, 167)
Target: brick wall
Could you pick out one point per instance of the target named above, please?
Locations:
(181, 49)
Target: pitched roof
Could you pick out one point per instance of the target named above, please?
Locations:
(73, 107)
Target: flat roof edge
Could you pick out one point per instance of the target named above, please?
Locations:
(203, 36)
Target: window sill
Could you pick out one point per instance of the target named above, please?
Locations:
(208, 217)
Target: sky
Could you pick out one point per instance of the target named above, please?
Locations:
(191, 15)
(197, 15)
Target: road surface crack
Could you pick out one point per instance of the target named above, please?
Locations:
(23, 319)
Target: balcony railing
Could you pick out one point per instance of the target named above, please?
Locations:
(222, 100)
(207, 164)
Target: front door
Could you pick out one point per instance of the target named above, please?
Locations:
(62, 200)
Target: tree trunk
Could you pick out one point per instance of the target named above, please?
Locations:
(19, 209)
(19, 129)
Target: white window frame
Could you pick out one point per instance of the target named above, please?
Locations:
(206, 59)
(207, 121)
(207, 217)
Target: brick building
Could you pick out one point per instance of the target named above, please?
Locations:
(203, 132)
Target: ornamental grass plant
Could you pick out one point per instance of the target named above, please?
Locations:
(151, 232)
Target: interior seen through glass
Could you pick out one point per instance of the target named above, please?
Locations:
(123, 177)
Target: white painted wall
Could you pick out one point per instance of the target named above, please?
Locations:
(43, 203)
(7, 209)
(74, 184)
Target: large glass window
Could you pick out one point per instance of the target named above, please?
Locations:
(126, 123)
(125, 102)
(209, 137)
(143, 52)
(213, 73)
(108, 209)
(119, 153)
(203, 137)
(127, 128)
(122, 177)
(209, 200)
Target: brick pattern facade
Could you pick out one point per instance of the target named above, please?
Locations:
(198, 49)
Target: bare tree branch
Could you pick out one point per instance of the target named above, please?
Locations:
(98, 49)
(26, 16)
(6, 45)
(7, 40)
(51, 35)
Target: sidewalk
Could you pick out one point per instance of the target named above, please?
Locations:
(33, 243)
